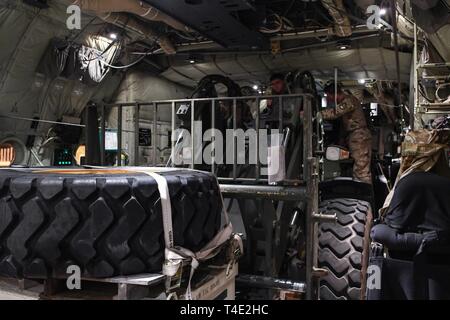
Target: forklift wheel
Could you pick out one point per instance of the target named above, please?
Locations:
(343, 249)
(106, 222)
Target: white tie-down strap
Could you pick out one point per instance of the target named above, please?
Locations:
(166, 206)
(175, 256)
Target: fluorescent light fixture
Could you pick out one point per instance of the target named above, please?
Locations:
(195, 58)
(344, 45)
(361, 81)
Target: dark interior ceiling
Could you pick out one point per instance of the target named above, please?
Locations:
(248, 39)
(236, 24)
(306, 43)
(215, 19)
(236, 38)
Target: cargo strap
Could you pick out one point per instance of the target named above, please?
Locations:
(175, 256)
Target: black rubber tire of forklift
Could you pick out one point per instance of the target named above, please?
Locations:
(344, 248)
(107, 223)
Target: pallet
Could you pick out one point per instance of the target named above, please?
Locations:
(219, 285)
(209, 284)
(117, 288)
(19, 289)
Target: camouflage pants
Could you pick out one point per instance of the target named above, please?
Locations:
(360, 145)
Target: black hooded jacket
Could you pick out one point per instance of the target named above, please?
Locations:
(421, 203)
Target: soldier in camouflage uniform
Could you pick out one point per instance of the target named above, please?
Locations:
(359, 138)
(291, 106)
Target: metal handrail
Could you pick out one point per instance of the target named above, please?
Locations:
(150, 103)
(172, 103)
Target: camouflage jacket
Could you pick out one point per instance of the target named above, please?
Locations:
(350, 111)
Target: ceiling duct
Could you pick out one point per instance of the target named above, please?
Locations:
(136, 7)
(124, 21)
(336, 9)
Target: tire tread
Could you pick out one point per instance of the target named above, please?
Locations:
(341, 248)
(109, 225)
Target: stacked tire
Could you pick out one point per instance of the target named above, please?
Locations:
(107, 222)
(343, 249)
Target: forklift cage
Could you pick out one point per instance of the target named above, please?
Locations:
(245, 188)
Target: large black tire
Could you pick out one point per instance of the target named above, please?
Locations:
(108, 222)
(343, 249)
